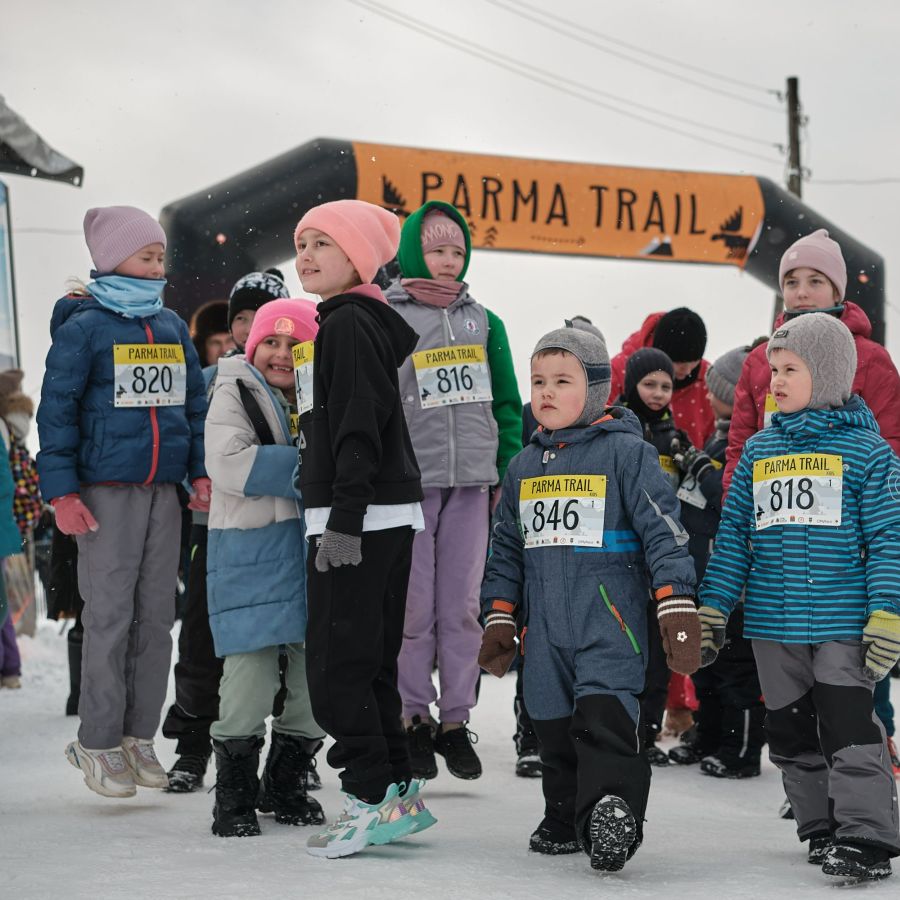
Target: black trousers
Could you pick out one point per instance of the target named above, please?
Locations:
(731, 714)
(656, 681)
(588, 755)
(353, 637)
(198, 670)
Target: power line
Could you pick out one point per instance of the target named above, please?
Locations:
(555, 82)
(856, 181)
(552, 26)
(654, 55)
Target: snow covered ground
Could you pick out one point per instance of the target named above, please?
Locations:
(704, 838)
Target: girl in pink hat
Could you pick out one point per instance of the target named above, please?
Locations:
(361, 489)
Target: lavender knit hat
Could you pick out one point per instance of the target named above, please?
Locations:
(816, 251)
(113, 233)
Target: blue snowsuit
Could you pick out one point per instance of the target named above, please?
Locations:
(585, 610)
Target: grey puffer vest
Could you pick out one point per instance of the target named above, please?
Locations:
(456, 445)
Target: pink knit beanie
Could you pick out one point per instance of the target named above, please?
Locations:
(439, 230)
(368, 234)
(816, 251)
(295, 318)
(113, 233)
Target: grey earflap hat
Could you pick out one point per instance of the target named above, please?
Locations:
(590, 349)
(723, 375)
(827, 347)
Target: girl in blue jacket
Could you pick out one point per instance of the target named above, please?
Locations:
(811, 529)
(120, 424)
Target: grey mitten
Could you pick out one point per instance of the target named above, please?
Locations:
(336, 549)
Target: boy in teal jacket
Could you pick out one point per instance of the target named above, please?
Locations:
(811, 529)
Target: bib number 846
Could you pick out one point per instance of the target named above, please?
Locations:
(542, 516)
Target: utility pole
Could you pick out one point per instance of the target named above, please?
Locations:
(795, 170)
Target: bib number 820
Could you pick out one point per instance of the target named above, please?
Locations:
(542, 516)
(151, 380)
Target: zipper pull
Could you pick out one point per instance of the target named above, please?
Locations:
(545, 458)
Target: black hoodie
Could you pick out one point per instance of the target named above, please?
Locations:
(358, 449)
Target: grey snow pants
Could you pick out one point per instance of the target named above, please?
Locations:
(824, 736)
(127, 572)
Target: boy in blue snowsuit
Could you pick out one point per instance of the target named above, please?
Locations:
(585, 511)
(811, 528)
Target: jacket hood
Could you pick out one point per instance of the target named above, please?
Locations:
(643, 337)
(853, 316)
(66, 306)
(401, 336)
(806, 422)
(616, 418)
(409, 253)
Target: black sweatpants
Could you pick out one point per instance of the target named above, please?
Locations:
(590, 754)
(656, 681)
(353, 637)
(198, 670)
(731, 714)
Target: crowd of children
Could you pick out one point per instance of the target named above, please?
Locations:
(364, 511)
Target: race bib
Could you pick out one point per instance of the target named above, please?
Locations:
(689, 492)
(448, 375)
(149, 375)
(771, 407)
(563, 510)
(801, 489)
(302, 354)
(667, 464)
(294, 425)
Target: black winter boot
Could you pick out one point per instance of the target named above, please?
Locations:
(186, 775)
(857, 862)
(282, 789)
(456, 747)
(237, 784)
(75, 639)
(554, 838)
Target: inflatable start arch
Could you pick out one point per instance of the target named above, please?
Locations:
(527, 205)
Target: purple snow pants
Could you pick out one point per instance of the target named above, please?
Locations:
(442, 604)
(10, 661)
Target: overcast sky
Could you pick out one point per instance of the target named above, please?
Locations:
(160, 100)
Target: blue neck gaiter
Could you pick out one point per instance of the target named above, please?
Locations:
(135, 298)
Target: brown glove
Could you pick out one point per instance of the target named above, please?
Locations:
(498, 644)
(679, 626)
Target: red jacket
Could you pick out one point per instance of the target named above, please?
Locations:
(689, 406)
(876, 381)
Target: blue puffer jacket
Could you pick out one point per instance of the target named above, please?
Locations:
(256, 572)
(85, 438)
(589, 603)
(807, 584)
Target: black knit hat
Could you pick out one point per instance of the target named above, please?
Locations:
(209, 319)
(253, 290)
(681, 334)
(642, 363)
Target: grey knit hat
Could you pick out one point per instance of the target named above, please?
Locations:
(590, 349)
(827, 347)
(723, 375)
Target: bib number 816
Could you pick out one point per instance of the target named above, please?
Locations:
(803, 498)
(151, 380)
(454, 379)
(542, 517)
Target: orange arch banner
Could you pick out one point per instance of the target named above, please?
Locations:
(574, 208)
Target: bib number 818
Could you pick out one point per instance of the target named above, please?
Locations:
(151, 380)
(804, 496)
(542, 517)
(461, 379)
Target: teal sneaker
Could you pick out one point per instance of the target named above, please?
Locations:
(415, 805)
(361, 824)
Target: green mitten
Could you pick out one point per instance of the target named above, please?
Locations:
(882, 634)
(712, 634)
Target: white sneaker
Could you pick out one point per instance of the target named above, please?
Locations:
(105, 771)
(361, 824)
(141, 760)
